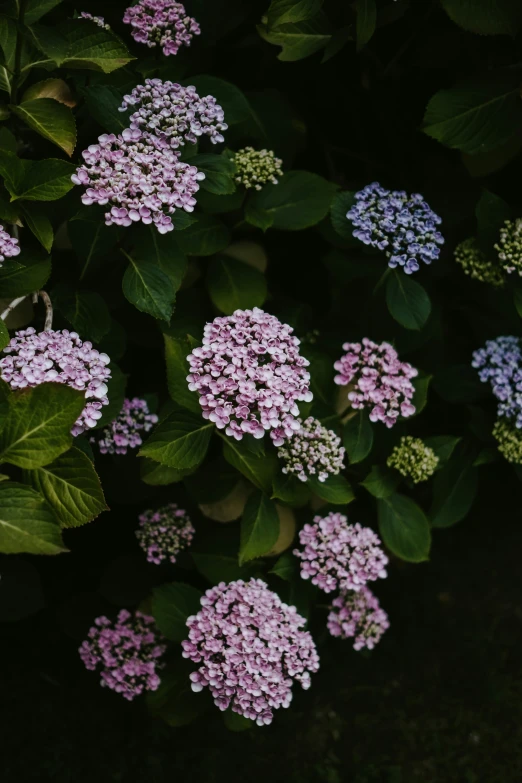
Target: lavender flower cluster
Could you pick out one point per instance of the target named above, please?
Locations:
(500, 364)
(250, 647)
(124, 432)
(405, 227)
(313, 450)
(128, 653)
(249, 375)
(164, 533)
(162, 23)
(377, 380)
(358, 615)
(61, 357)
(98, 20)
(9, 247)
(337, 556)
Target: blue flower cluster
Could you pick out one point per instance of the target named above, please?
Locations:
(405, 227)
(500, 363)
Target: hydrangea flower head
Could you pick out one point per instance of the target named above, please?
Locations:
(140, 178)
(98, 20)
(128, 653)
(250, 375)
(164, 533)
(59, 356)
(337, 556)
(313, 450)
(9, 247)
(404, 226)
(500, 364)
(162, 23)
(125, 432)
(509, 441)
(257, 167)
(413, 459)
(509, 247)
(377, 380)
(358, 616)
(250, 647)
(475, 263)
(173, 113)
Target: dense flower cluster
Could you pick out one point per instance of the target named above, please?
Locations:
(509, 246)
(98, 20)
(405, 227)
(249, 375)
(164, 533)
(337, 556)
(500, 364)
(509, 440)
(139, 177)
(377, 380)
(251, 647)
(125, 431)
(61, 357)
(162, 23)
(257, 167)
(173, 113)
(127, 652)
(9, 247)
(475, 263)
(413, 459)
(312, 451)
(358, 616)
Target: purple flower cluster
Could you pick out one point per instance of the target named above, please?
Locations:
(405, 227)
(161, 22)
(251, 647)
(125, 431)
(358, 615)
(339, 556)
(377, 380)
(127, 651)
(140, 177)
(61, 357)
(500, 364)
(98, 20)
(249, 375)
(9, 247)
(173, 113)
(164, 533)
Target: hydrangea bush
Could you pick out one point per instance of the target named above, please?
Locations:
(214, 294)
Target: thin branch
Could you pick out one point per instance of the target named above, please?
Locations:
(46, 299)
(12, 306)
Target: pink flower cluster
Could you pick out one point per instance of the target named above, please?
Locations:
(140, 177)
(164, 533)
(61, 357)
(358, 615)
(377, 380)
(174, 113)
(127, 652)
(9, 247)
(249, 375)
(312, 451)
(124, 432)
(339, 556)
(251, 647)
(161, 22)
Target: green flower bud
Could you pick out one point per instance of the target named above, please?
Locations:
(476, 264)
(413, 459)
(510, 246)
(509, 440)
(257, 167)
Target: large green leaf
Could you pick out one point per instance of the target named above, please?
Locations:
(233, 285)
(91, 238)
(26, 522)
(381, 482)
(4, 335)
(491, 213)
(44, 180)
(35, 9)
(454, 490)
(172, 604)
(219, 173)
(404, 528)
(217, 567)
(407, 300)
(358, 437)
(259, 469)
(94, 48)
(39, 224)
(341, 203)
(157, 475)
(288, 11)
(86, 311)
(103, 102)
(179, 441)
(300, 199)
(163, 251)
(176, 352)
(290, 490)
(443, 446)
(18, 280)
(298, 39)
(51, 119)
(259, 527)
(148, 288)
(485, 17)
(206, 236)
(174, 701)
(336, 490)
(39, 424)
(366, 21)
(71, 487)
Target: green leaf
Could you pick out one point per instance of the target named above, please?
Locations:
(288, 11)
(163, 251)
(219, 173)
(474, 117)
(259, 470)
(56, 89)
(103, 102)
(17, 280)
(336, 489)
(420, 396)
(91, 238)
(86, 311)
(38, 8)
(290, 490)
(174, 701)
(94, 48)
(259, 527)
(443, 446)
(341, 203)
(491, 213)
(454, 490)
(300, 200)
(229, 97)
(52, 120)
(358, 437)
(45, 180)
(485, 17)
(381, 482)
(176, 352)
(407, 301)
(4, 335)
(148, 288)
(26, 522)
(221, 568)
(366, 22)
(71, 487)
(233, 285)
(157, 475)
(172, 604)
(179, 441)
(40, 225)
(300, 39)
(404, 528)
(206, 236)
(285, 567)
(39, 424)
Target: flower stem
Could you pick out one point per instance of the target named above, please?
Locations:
(46, 299)
(12, 306)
